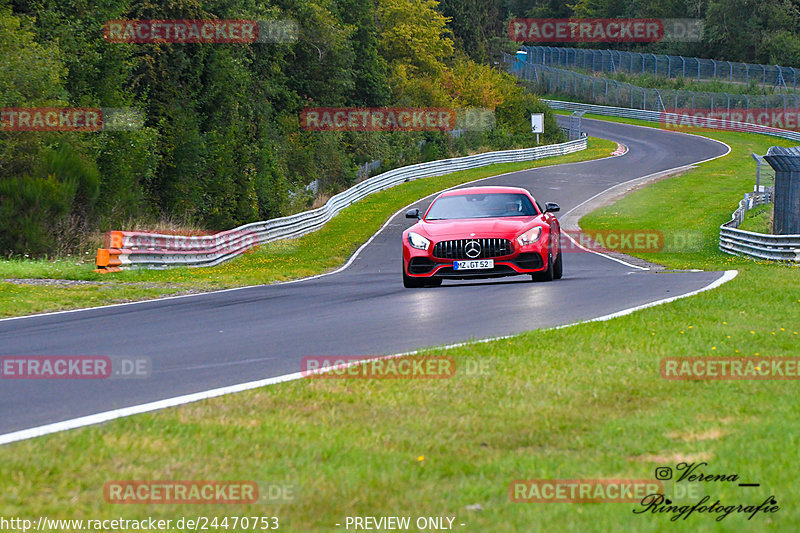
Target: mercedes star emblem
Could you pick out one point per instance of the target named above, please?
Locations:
(472, 249)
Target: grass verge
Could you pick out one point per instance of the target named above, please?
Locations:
(758, 219)
(583, 402)
(315, 253)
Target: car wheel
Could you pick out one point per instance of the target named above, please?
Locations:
(547, 275)
(558, 268)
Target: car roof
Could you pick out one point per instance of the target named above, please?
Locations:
(485, 190)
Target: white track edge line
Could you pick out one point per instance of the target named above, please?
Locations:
(32, 432)
(107, 416)
(316, 276)
(643, 178)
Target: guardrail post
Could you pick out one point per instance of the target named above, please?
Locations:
(786, 163)
(758, 171)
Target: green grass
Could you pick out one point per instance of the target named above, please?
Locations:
(315, 253)
(703, 199)
(581, 402)
(758, 219)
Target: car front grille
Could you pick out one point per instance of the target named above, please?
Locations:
(457, 249)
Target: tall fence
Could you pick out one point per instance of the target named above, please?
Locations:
(765, 175)
(695, 68)
(610, 92)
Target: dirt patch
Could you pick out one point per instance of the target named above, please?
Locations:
(78, 282)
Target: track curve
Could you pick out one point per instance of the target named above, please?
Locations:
(217, 339)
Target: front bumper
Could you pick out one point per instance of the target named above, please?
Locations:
(421, 264)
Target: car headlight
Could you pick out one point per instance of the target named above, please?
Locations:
(418, 241)
(530, 236)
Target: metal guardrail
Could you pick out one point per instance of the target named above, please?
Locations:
(130, 249)
(661, 116)
(667, 66)
(732, 240)
(735, 241)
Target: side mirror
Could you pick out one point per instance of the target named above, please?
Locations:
(551, 207)
(412, 213)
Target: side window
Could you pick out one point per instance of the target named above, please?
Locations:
(541, 209)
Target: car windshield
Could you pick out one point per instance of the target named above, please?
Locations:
(481, 206)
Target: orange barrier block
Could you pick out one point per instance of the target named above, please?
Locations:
(113, 239)
(108, 257)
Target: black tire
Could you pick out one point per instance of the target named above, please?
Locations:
(409, 282)
(547, 274)
(558, 268)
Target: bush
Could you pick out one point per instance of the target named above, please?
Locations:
(51, 211)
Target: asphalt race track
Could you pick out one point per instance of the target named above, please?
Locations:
(212, 340)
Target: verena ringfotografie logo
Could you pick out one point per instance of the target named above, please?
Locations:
(690, 478)
(733, 119)
(73, 367)
(730, 368)
(76, 119)
(200, 31)
(355, 366)
(618, 30)
(582, 490)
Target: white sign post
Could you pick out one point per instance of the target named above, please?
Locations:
(537, 124)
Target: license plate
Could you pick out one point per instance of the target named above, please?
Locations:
(478, 264)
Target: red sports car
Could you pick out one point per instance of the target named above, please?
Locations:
(482, 232)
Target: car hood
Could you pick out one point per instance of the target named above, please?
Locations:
(506, 227)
